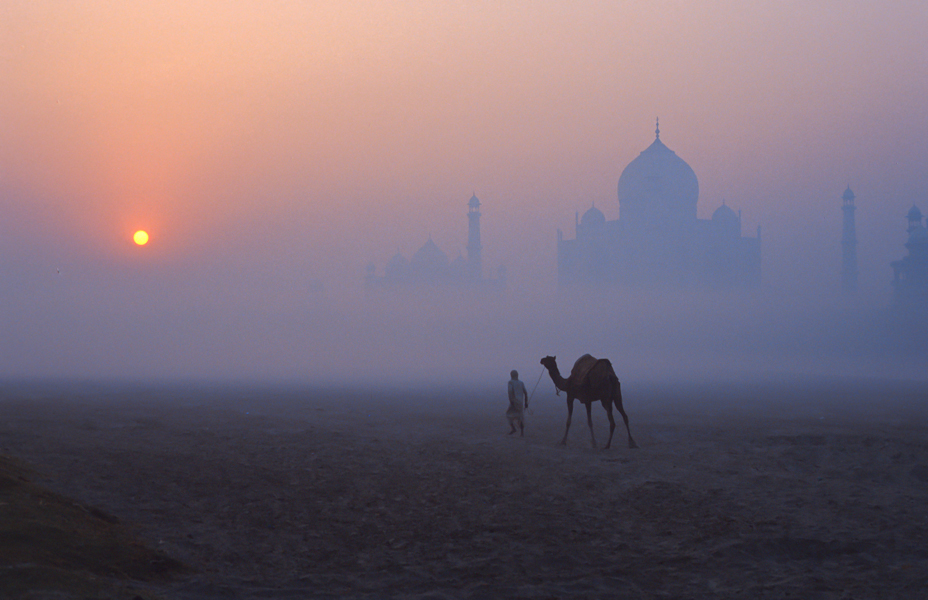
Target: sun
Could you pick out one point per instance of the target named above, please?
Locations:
(140, 237)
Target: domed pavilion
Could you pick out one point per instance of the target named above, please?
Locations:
(430, 267)
(658, 239)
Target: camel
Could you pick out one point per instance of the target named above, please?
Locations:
(590, 380)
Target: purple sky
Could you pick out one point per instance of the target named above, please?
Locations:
(267, 146)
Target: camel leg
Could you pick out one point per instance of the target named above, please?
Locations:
(589, 420)
(570, 412)
(618, 404)
(608, 407)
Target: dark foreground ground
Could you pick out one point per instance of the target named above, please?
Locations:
(766, 490)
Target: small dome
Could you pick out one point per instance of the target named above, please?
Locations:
(429, 257)
(724, 213)
(473, 202)
(593, 217)
(848, 194)
(914, 214)
(726, 221)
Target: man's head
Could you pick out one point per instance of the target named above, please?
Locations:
(514, 374)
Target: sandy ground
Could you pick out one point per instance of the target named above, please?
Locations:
(753, 490)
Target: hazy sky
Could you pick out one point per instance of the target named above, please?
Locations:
(268, 144)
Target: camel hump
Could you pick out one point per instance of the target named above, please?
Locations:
(582, 368)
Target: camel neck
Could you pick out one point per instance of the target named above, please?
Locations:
(556, 376)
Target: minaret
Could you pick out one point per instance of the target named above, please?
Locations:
(914, 217)
(848, 245)
(474, 263)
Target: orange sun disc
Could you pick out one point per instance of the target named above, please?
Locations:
(140, 237)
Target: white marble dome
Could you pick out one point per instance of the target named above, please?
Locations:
(658, 185)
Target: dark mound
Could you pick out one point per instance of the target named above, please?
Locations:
(51, 543)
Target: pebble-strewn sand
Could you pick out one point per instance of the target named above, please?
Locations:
(811, 490)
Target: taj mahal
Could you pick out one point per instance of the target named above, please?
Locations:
(658, 239)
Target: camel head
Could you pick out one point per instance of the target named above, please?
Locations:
(549, 362)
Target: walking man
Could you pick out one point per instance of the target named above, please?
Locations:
(517, 391)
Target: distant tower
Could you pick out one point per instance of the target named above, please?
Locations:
(910, 278)
(914, 217)
(849, 244)
(474, 263)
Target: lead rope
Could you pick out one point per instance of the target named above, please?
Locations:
(540, 375)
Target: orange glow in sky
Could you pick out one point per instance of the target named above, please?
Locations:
(352, 130)
(275, 149)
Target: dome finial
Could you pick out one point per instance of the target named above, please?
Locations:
(657, 129)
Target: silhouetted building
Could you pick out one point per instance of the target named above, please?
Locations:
(910, 274)
(474, 260)
(430, 265)
(848, 244)
(658, 239)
